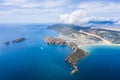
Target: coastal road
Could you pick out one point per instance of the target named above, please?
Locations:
(93, 35)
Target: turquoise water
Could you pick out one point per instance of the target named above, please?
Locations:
(28, 61)
(102, 63)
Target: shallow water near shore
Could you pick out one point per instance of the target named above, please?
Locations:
(102, 63)
(33, 59)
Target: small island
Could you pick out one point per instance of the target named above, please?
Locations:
(19, 40)
(6, 42)
(72, 58)
(15, 41)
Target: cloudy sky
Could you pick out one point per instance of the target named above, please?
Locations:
(68, 11)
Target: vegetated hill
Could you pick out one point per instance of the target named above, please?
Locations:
(70, 26)
(67, 29)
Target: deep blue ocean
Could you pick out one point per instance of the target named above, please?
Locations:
(33, 59)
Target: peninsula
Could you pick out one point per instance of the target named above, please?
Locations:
(72, 58)
(77, 37)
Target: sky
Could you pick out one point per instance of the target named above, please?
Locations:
(52, 11)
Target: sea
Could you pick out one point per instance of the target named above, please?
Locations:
(33, 59)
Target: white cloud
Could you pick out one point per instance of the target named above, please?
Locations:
(51, 9)
(14, 2)
(117, 22)
(33, 4)
(99, 8)
(76, 17)
(29, 11)
(93, 11)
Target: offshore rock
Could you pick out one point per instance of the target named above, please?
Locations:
(7, 43)
(18, 40)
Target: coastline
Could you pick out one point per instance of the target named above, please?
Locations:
(90, 46)
(72, 58)
(82, 46)
(81, 43)
(82, 38)
(101, 45)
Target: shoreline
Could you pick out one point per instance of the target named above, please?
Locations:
(83, 40)
(72, 58)
(88, 47)
(101, 45)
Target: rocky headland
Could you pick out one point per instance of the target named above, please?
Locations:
(72, 58)
(76, 37)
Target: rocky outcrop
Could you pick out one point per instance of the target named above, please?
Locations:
(51, 40)
(18, 40)
(7, 43)
(14, 41)
(72, 58)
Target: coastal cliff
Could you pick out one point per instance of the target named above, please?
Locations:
(51, 40)
(72, 58)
